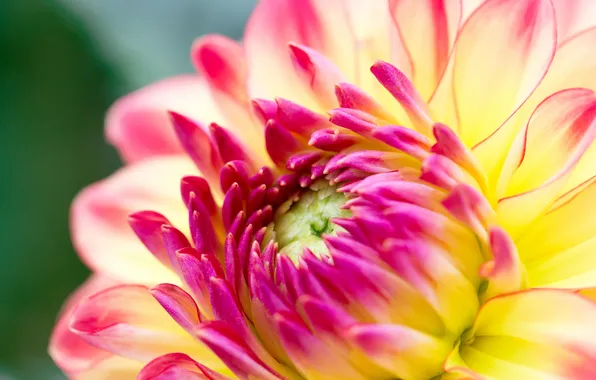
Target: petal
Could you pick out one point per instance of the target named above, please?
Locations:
(223, 340)
(129, 322)
(179, 304)
(537, 334)
(138, 124)
(319, 72)
(177, 366)
(113, 368)
(69, 351)
(272, 25)
(487, 87)
(310, 355)
(341, 30)
(221, 62)
(574, 16)
(406, 353)
(99, 215)
(544, 155)
(558, 248)
(572, 67)
(428, 29)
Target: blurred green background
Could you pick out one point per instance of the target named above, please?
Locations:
(62, 63)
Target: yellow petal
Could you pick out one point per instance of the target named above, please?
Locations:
(535, 334)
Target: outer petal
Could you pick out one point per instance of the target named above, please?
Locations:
(487, 87)
(177, 366)
(129, 322)
(221, 62)
(139, 126)
(574, 16)
(113, 368)
(70, 352)
(558, 249)
(544, 155)
(99, 216)
(537, 334)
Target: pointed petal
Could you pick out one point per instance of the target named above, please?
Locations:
(320, 74)
(224, 341)
(179, 304)
(99, 215)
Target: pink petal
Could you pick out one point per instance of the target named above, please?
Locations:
(99, 216)
(221, 62)
(70, 352)
(129, 322)
(177, 366)
(179, 304)
(224, 341)
(574, 17)
(318, 72)
(138, 124)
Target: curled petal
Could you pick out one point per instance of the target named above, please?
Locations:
(505, 272)
(318, 72)
(177, 366)
(179, 304)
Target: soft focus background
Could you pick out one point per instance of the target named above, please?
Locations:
(62, 63)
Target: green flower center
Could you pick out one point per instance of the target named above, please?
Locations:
(302, 221)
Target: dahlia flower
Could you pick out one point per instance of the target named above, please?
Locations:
(395, 189)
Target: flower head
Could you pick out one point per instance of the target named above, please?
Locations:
(363, 190)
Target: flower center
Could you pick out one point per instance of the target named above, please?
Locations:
(302, 221)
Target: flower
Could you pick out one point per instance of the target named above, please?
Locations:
(382, 190)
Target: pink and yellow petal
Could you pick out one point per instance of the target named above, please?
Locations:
(127, 321)
(538, 334)
(557, 249)
(113, 368)
(428, 29)
(488, 88)
(99, 218)
(71, 353)
(222, 63)
(138, 124)
(544, 155)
